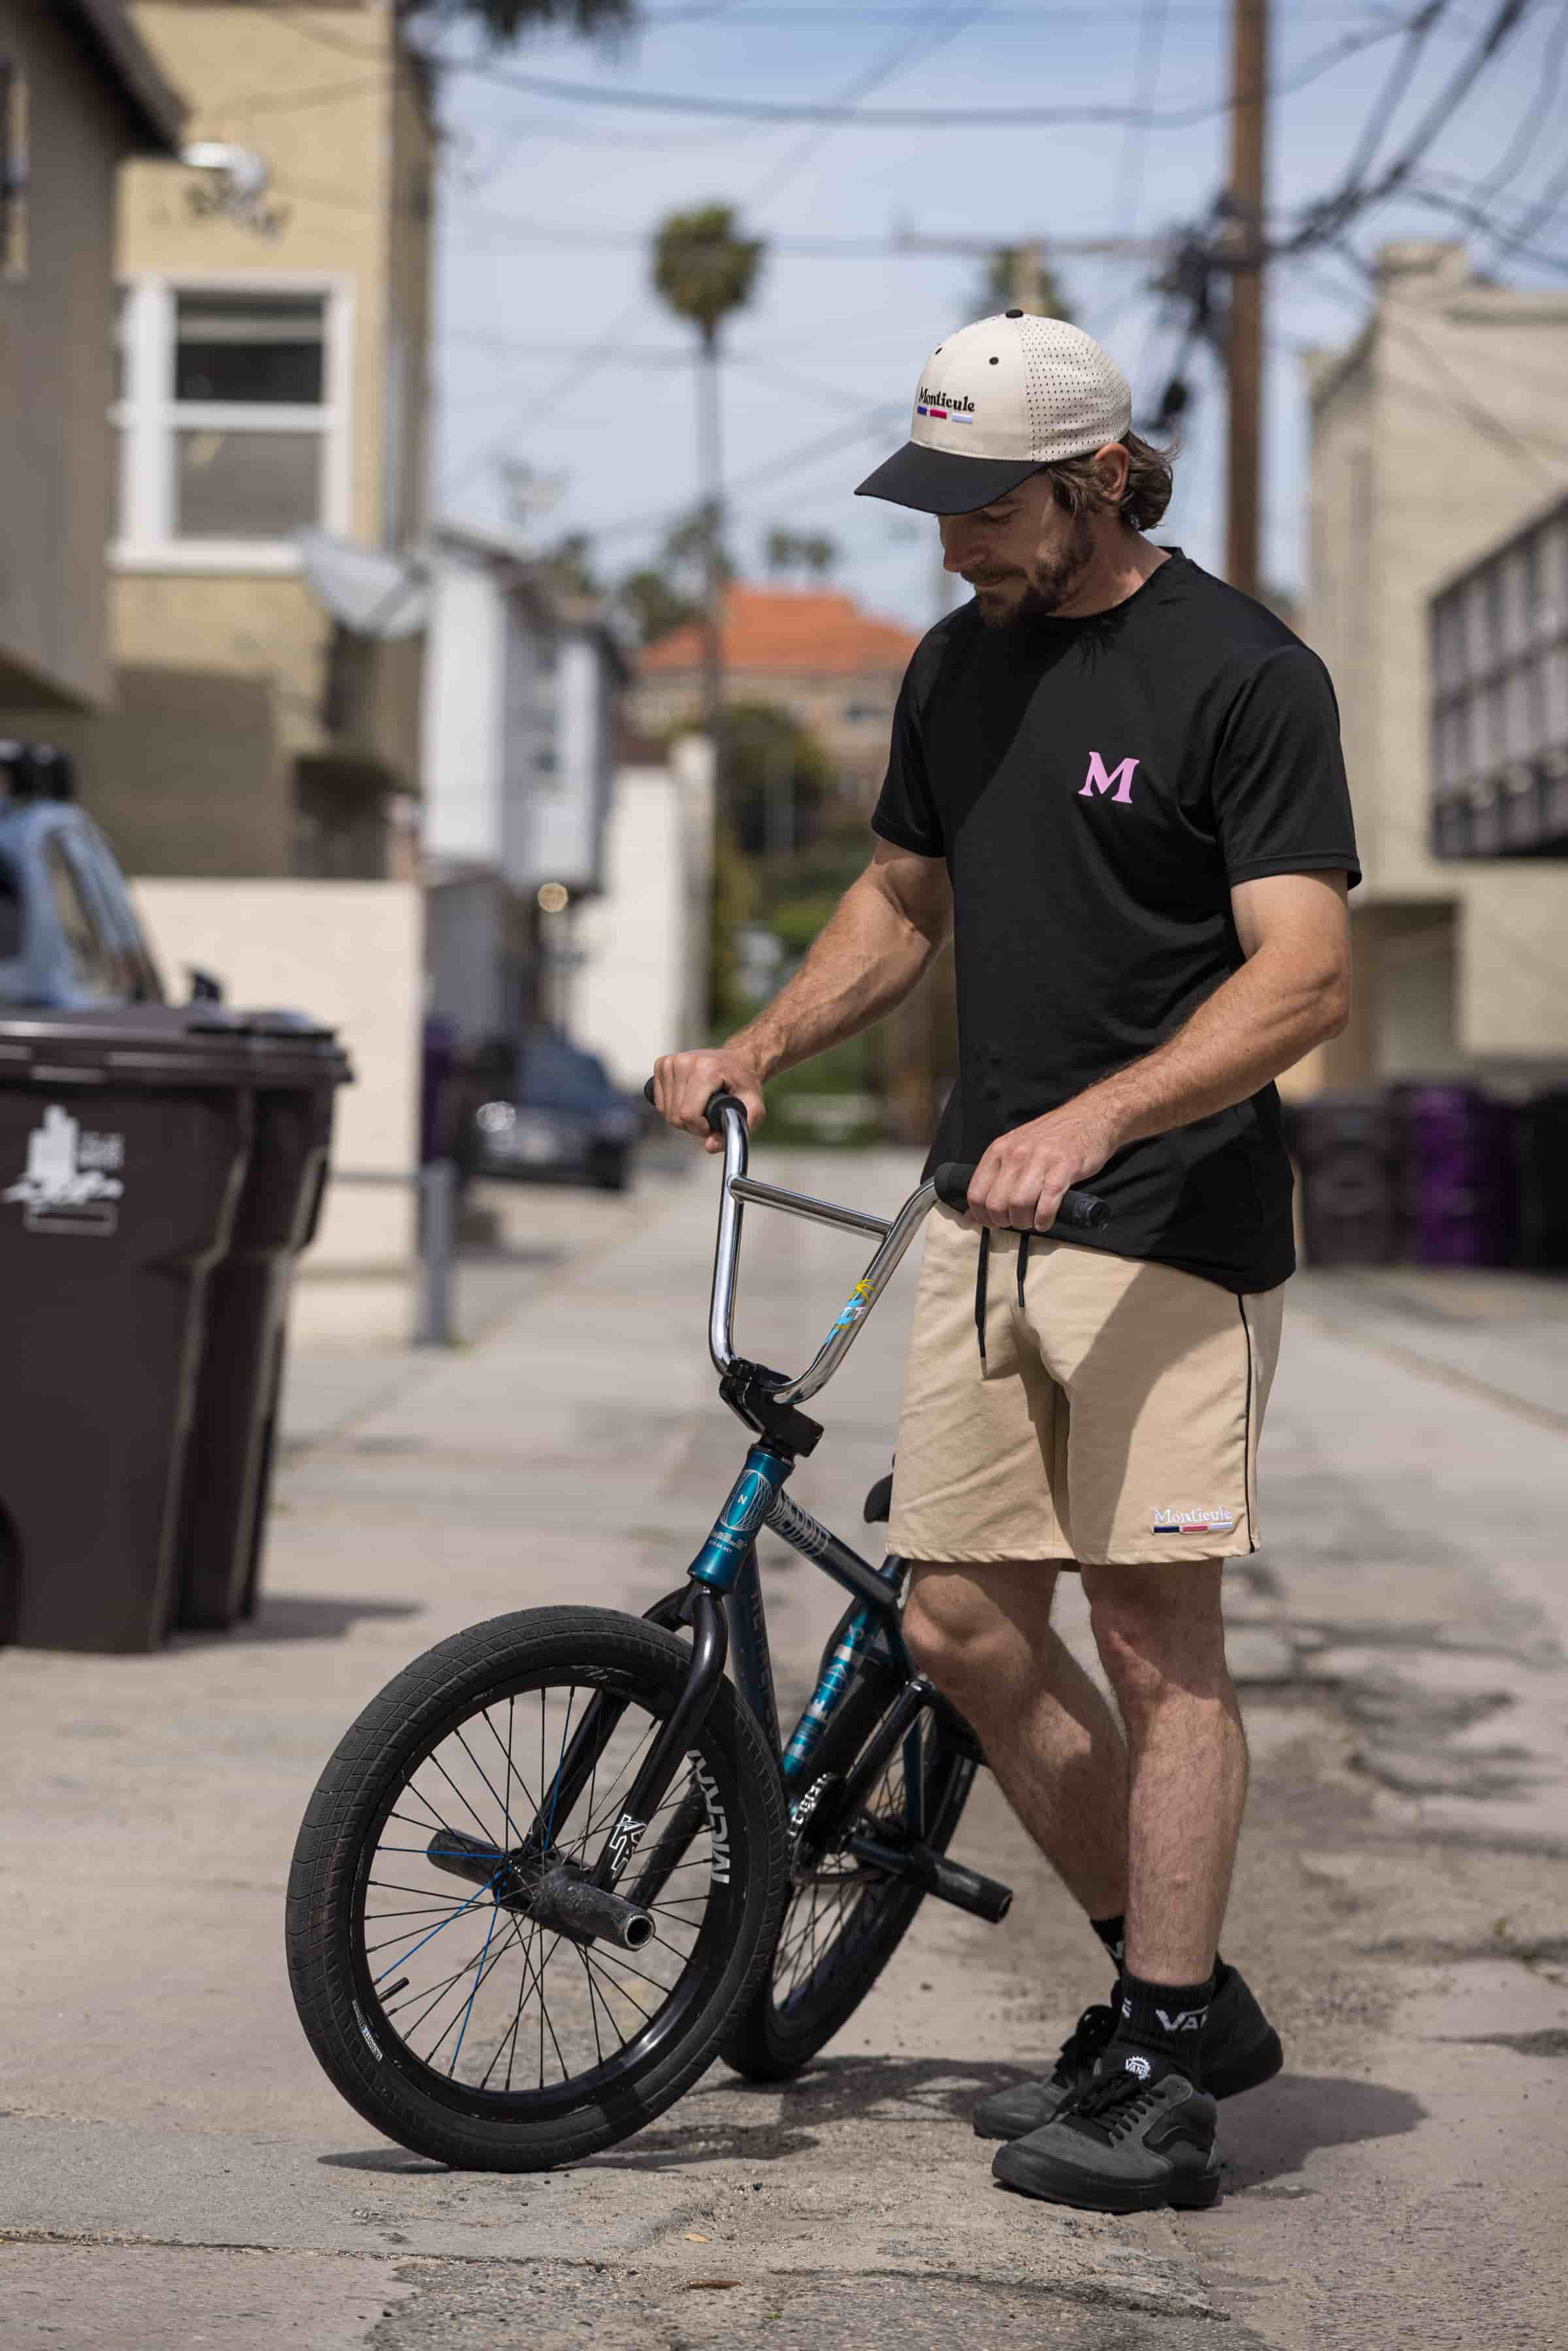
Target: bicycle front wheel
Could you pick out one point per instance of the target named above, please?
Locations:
(450, 2017)
(844, 1920)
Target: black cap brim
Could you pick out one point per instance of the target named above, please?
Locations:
(939, 482)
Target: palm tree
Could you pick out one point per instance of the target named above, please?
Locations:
(704, 272)
(501, 21)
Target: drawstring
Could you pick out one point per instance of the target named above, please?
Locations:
(981, 1291)
(981, 1273)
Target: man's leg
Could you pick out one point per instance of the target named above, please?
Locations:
(1161, 1639)
(983, 1635)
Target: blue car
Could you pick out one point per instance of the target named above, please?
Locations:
(69, 936)
(553, 1111)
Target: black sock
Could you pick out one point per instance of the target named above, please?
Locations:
(1112, 1933)
(1162, 2021)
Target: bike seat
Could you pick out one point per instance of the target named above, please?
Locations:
(879, 1502)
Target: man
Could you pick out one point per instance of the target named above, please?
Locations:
(1120, 781)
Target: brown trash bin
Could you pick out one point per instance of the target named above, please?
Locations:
(298, 1067)
(124, 1138)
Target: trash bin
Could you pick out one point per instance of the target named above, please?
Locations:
(1540, 1153)
(296, 1067)
(1462, 1176)
(1351, 1150)
(124, 1138)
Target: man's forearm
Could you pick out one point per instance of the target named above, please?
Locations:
(1263, 1018)
(866, 961)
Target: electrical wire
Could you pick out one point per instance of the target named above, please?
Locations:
(926, 117)
(1325, 220)
(1145, 90)
(1542, 109)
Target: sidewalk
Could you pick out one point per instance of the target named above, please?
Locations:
(174, 2168)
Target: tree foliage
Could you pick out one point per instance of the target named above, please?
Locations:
(812, 552)
(995, 289)
(505, 21)
(777, 776)
(701, 269)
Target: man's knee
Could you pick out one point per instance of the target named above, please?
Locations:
(1159, 1632)
(968, 1629)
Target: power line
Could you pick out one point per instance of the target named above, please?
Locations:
(1386, 105)
(1325, 220)
(1145, 90)
(1523, 145)
(922, 118)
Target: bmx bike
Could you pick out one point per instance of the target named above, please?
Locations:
(647, 1875)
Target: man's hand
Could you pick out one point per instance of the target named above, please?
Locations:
(1019, 1183)
(684, 1084)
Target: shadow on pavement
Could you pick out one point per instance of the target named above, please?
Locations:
(841, 2089)
(1271, 2132)
(301, 1616)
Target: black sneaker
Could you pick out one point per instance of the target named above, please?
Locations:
(1026, 2106)
(1240, 2049)
(1137, 2139)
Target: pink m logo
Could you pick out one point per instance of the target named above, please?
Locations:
(1120, 780)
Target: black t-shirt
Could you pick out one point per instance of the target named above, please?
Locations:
(1096, 786)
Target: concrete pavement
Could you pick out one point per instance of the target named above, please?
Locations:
(174, 2167)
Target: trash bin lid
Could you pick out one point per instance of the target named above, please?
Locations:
(169, 1044)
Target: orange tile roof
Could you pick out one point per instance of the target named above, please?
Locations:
(789, 630)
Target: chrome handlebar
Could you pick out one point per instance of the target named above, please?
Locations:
(727, 1116)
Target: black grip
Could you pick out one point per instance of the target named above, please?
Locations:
(717, 1107)
(1086, 1211)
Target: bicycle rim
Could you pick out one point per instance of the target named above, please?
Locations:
(482, 2008)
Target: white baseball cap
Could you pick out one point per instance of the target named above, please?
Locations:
(997, 401)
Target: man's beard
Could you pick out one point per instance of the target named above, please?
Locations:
(1049, 584)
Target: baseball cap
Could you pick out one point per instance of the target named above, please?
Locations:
(997, 401)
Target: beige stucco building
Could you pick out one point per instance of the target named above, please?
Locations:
(258, 767)
(78, 92)
(272, 380)
(1439, 430)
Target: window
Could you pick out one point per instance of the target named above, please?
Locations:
(231, 416)
(10, 914)
(92, 964)
(14, 171)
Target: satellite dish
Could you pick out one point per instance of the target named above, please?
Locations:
(373, 594)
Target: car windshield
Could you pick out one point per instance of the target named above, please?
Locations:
(554, 1076)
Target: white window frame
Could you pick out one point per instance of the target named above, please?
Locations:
(148, 416)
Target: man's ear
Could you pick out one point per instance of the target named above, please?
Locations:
(1112, 464)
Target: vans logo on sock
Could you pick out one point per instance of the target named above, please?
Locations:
(1138, 2066)
(1193, 1519)
(1186, 2019)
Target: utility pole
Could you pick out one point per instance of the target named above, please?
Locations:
(1244, 354)
(710, 459)
(1024, 272)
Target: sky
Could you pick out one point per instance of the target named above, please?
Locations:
(554, 356)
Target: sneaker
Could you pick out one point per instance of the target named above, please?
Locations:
(1027, 2106)
(1240, 2049)
(1136, 2140)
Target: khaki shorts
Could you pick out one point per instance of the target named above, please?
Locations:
(1114, 1421)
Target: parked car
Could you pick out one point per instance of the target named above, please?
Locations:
(69, 936)
(557, 1113)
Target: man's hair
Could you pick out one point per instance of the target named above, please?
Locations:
(1150, 479)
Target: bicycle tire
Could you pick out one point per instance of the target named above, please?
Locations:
(790, 2016)
(378, 1782)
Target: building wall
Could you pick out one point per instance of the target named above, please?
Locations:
(351, 157)
(465, 955)
(1434, 437)
(57, 376)
(640, 988)
(348, 953)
